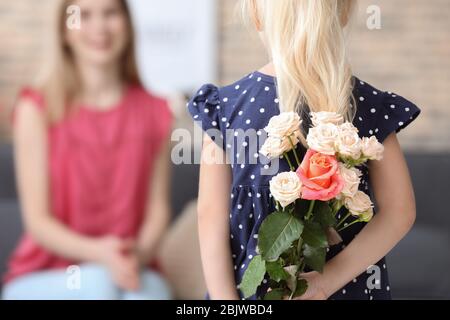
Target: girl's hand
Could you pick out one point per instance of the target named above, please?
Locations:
(316, 289)
(121, 260)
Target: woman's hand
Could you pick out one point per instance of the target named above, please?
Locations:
(316, 287)
(120, 257)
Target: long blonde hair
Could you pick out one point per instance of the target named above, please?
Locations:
(59, 82)
(306, 41)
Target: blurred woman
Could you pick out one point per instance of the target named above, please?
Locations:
(92, 161)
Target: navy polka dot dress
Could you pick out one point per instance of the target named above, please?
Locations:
(249, 104)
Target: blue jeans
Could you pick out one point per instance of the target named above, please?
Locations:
(94, 283)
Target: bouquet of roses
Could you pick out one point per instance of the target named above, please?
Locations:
(307, 200)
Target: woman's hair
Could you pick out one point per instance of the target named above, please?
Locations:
(305, 39)
(59, 81)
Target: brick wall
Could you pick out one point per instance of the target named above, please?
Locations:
(22, 26)
(409, 55)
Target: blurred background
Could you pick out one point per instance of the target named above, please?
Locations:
(183, 44)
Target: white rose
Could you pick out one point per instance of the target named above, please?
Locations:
(274, 147)
(360, 206)
(285, 188)
(348, 126)
(287, 124)
(372, 149)
(324, 117)
(348, 144)
(366, 216)
(352, 179)
(323, 138)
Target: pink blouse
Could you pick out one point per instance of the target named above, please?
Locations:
(100, 166)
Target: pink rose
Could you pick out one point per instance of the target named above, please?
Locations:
(320, 176)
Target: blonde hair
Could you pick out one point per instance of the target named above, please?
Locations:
(59, 82)
(306, 41)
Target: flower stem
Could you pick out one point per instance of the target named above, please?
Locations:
(289, 162)
(295, 152)
(299, 246)
(301, 269)
(350, 224)
(343, 220)
(336, 206)
(310, 210)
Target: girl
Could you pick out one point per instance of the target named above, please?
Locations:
(308, 73)
(92, 158)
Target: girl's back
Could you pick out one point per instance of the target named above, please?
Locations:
(240, 112)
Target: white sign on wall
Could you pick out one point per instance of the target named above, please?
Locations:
(176, 43)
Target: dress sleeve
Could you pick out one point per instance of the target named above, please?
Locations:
(394, 114)
(162, 120)
(204, 108)
(31, 95)
(165, 120)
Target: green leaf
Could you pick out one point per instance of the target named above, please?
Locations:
(289, 256)
(302, 286)
(273, 284)
(314, 235)
(276, 271)
(277, 233)
(323, 214)
(291, 282)
(253, 276)
(315, 258)
(301, 207)
(275, 294)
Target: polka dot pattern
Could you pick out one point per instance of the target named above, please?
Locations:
(249, 104)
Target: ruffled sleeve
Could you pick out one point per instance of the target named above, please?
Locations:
(395, 114)
(32, 95)
(204, 108)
